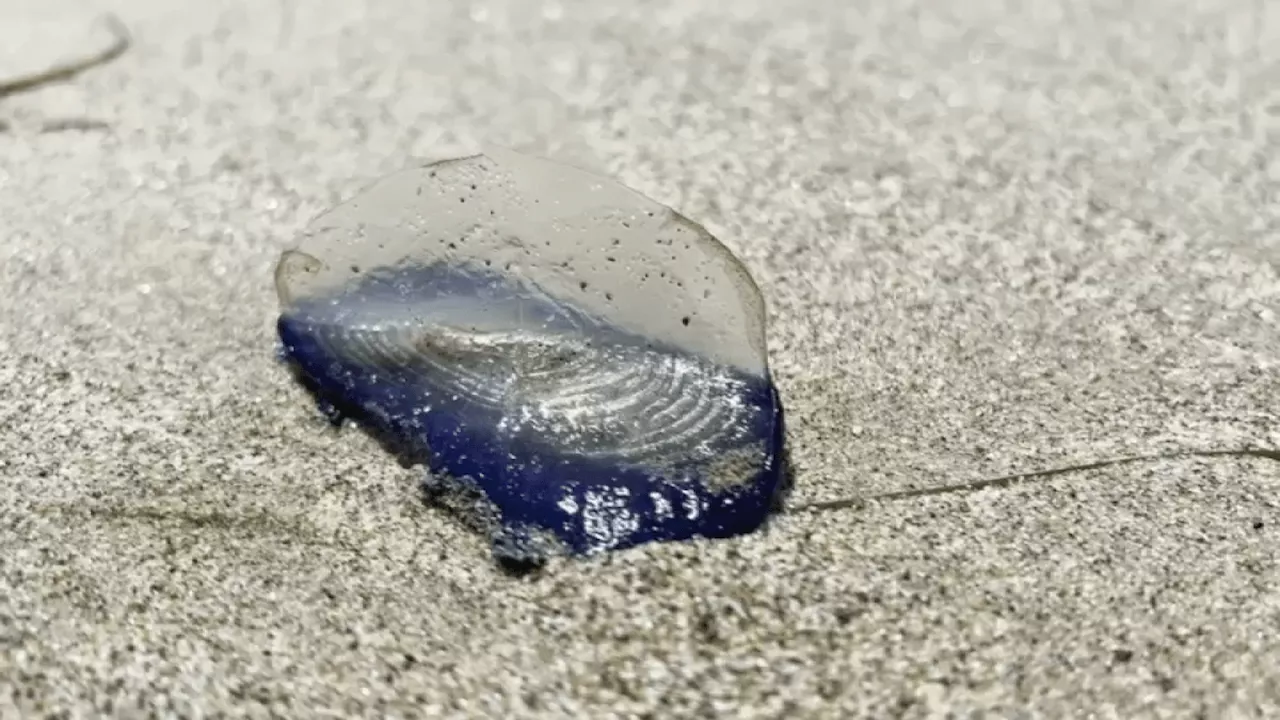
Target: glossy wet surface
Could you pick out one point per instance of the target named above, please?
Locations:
(586, 365)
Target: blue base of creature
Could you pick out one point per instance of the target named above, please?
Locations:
(540, 500)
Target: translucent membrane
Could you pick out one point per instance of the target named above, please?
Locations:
(580, 367)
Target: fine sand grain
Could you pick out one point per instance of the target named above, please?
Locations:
(993, 237)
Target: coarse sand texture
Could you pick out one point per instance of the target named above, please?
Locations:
(991, 238)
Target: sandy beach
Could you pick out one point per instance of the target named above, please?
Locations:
(993, 238)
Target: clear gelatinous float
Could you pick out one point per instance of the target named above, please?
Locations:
(580, 368)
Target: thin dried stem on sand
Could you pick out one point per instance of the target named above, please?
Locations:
(66, 71)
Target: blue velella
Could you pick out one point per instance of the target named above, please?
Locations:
(580, 367)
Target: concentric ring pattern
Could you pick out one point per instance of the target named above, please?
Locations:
(585, 390)
(570, 420)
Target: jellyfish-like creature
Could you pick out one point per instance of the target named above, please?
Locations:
(579, 367)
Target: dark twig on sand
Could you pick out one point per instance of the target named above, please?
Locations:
(1019, 478)
(70, 69)
(66, 71)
